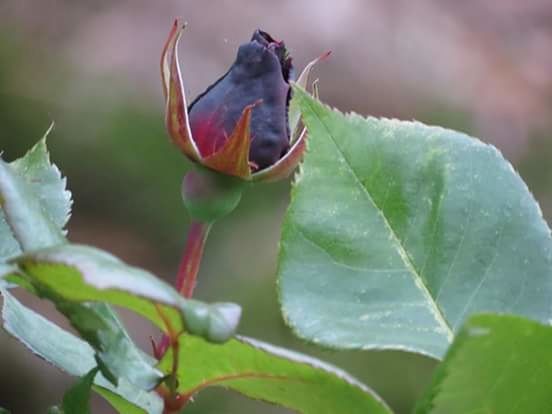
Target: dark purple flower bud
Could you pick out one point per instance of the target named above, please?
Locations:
(260, 74)
(244, 124)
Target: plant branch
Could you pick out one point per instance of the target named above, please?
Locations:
(173, 400)
(191, 258)
(188, 269)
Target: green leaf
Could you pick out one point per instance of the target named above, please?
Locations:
(4, 411)
(271, 374)
(497, 364)
(34, 195)
(398, 231)
(5, 271)
(118, 403)
(110, 316)
(82, 274)
(31, 225)
(46, 181)
(47, 187)
(8, 245)
(77, 399)
(37, 207)
(116, 353)
(43, 179)
(66, 351)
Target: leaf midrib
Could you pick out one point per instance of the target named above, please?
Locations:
(418, 280)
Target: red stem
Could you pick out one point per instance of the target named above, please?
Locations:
(187, 271)
(191, 258)
(185, 283)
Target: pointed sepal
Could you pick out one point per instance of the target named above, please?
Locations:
(233, 157)
(176, 119)
(302, 81)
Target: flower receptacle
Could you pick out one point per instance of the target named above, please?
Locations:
(209, 195)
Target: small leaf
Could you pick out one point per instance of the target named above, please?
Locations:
(77, 399)
(33, 195)
(116, 354)
(83, 274)
(66, 351)
(497, 364)
(30, 224)
(119, 403)
(271, 374)
(398, 231)
(46, 180)
(119, 352)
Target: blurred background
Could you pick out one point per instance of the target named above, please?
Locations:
(483, 67)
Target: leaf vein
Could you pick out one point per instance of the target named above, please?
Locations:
(434, 307)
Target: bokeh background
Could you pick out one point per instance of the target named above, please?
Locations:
(483, 67)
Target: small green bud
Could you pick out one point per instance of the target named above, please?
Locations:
(209, 195)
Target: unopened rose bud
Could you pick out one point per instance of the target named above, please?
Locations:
(260, 75)
(241, 125)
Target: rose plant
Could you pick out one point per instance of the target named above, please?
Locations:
(398, 236)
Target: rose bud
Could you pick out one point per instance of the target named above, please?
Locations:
(243, 125)
(259, 74)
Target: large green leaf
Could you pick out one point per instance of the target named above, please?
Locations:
(36, 203)
(271, 374)
(398, 231)
(67, 352)
(497, 364)
(82, 273)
